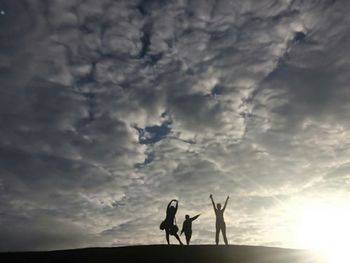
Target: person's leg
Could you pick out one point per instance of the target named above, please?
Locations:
(178, 238)
(167, 236)
(223, 230)
(217, 234)
(188, 237)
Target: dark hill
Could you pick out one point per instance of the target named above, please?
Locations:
(167, 254)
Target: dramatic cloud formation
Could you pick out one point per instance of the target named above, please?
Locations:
(110, 109)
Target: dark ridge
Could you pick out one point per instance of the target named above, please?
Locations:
(168, 254)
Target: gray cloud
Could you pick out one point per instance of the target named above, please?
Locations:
(109, 109)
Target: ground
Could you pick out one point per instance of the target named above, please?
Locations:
(168, 254)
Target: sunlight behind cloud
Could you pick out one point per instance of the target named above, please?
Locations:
(327, 230)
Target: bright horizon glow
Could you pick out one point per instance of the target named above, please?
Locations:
(325, 229)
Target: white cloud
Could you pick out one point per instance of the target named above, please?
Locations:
(253, 96)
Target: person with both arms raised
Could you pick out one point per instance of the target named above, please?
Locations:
(220, 222)
(169, 223)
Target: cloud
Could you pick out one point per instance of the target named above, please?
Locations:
(109, 109)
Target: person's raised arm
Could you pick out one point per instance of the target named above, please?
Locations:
(195, 217)
(169, 205)
(176, 204)
(212, 201)
(174, 200)
(225, 203)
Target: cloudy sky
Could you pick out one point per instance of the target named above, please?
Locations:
(109, 109)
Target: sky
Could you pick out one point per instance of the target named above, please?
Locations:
(110, 109)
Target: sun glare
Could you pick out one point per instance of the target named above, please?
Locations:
(326, 230)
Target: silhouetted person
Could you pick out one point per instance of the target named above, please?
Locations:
(168, 223)
(187, 227)
(220, 222)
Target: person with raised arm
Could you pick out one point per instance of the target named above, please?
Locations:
(220, 222)
(187, 227)
(168, 223)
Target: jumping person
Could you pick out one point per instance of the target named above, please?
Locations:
(168, 223)
(187, 227)
(220, 222)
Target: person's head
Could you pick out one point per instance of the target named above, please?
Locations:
(187, 217)
(218, 206)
